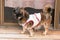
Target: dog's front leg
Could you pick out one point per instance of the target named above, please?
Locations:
(24, 29)
(31, 32)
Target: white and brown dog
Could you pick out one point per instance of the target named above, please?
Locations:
(33, 20)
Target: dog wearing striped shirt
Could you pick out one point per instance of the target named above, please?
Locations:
(33, 21)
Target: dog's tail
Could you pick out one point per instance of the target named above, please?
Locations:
(47, 8)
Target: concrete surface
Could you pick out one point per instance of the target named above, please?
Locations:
(13, 33)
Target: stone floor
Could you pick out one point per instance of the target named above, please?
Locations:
(13, 33)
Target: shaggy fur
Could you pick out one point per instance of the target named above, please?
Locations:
(22, 15)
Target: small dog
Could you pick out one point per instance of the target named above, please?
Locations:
(35, 20)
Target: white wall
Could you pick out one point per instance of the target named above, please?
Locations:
(28, 3)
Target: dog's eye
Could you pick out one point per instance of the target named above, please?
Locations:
(20, 14)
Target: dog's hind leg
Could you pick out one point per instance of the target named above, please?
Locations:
(45, 32)
(46, 29)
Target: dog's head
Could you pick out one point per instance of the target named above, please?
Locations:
(20, 14)
(16, 12)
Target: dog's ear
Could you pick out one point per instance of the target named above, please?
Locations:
(16, 10)
(26, 14)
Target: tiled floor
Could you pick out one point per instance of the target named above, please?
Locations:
(13, 33)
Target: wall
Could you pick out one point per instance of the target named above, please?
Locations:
(28, 3)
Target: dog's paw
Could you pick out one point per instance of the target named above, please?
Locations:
(31, 35)
(44, 33)
(22, 32)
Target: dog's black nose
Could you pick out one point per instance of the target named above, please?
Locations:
(13, 10)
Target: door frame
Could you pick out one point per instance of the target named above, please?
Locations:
(2, 15)
(56, 15)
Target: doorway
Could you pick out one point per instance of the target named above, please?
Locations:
(8, 5)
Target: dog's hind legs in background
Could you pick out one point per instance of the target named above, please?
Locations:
(47, 11)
